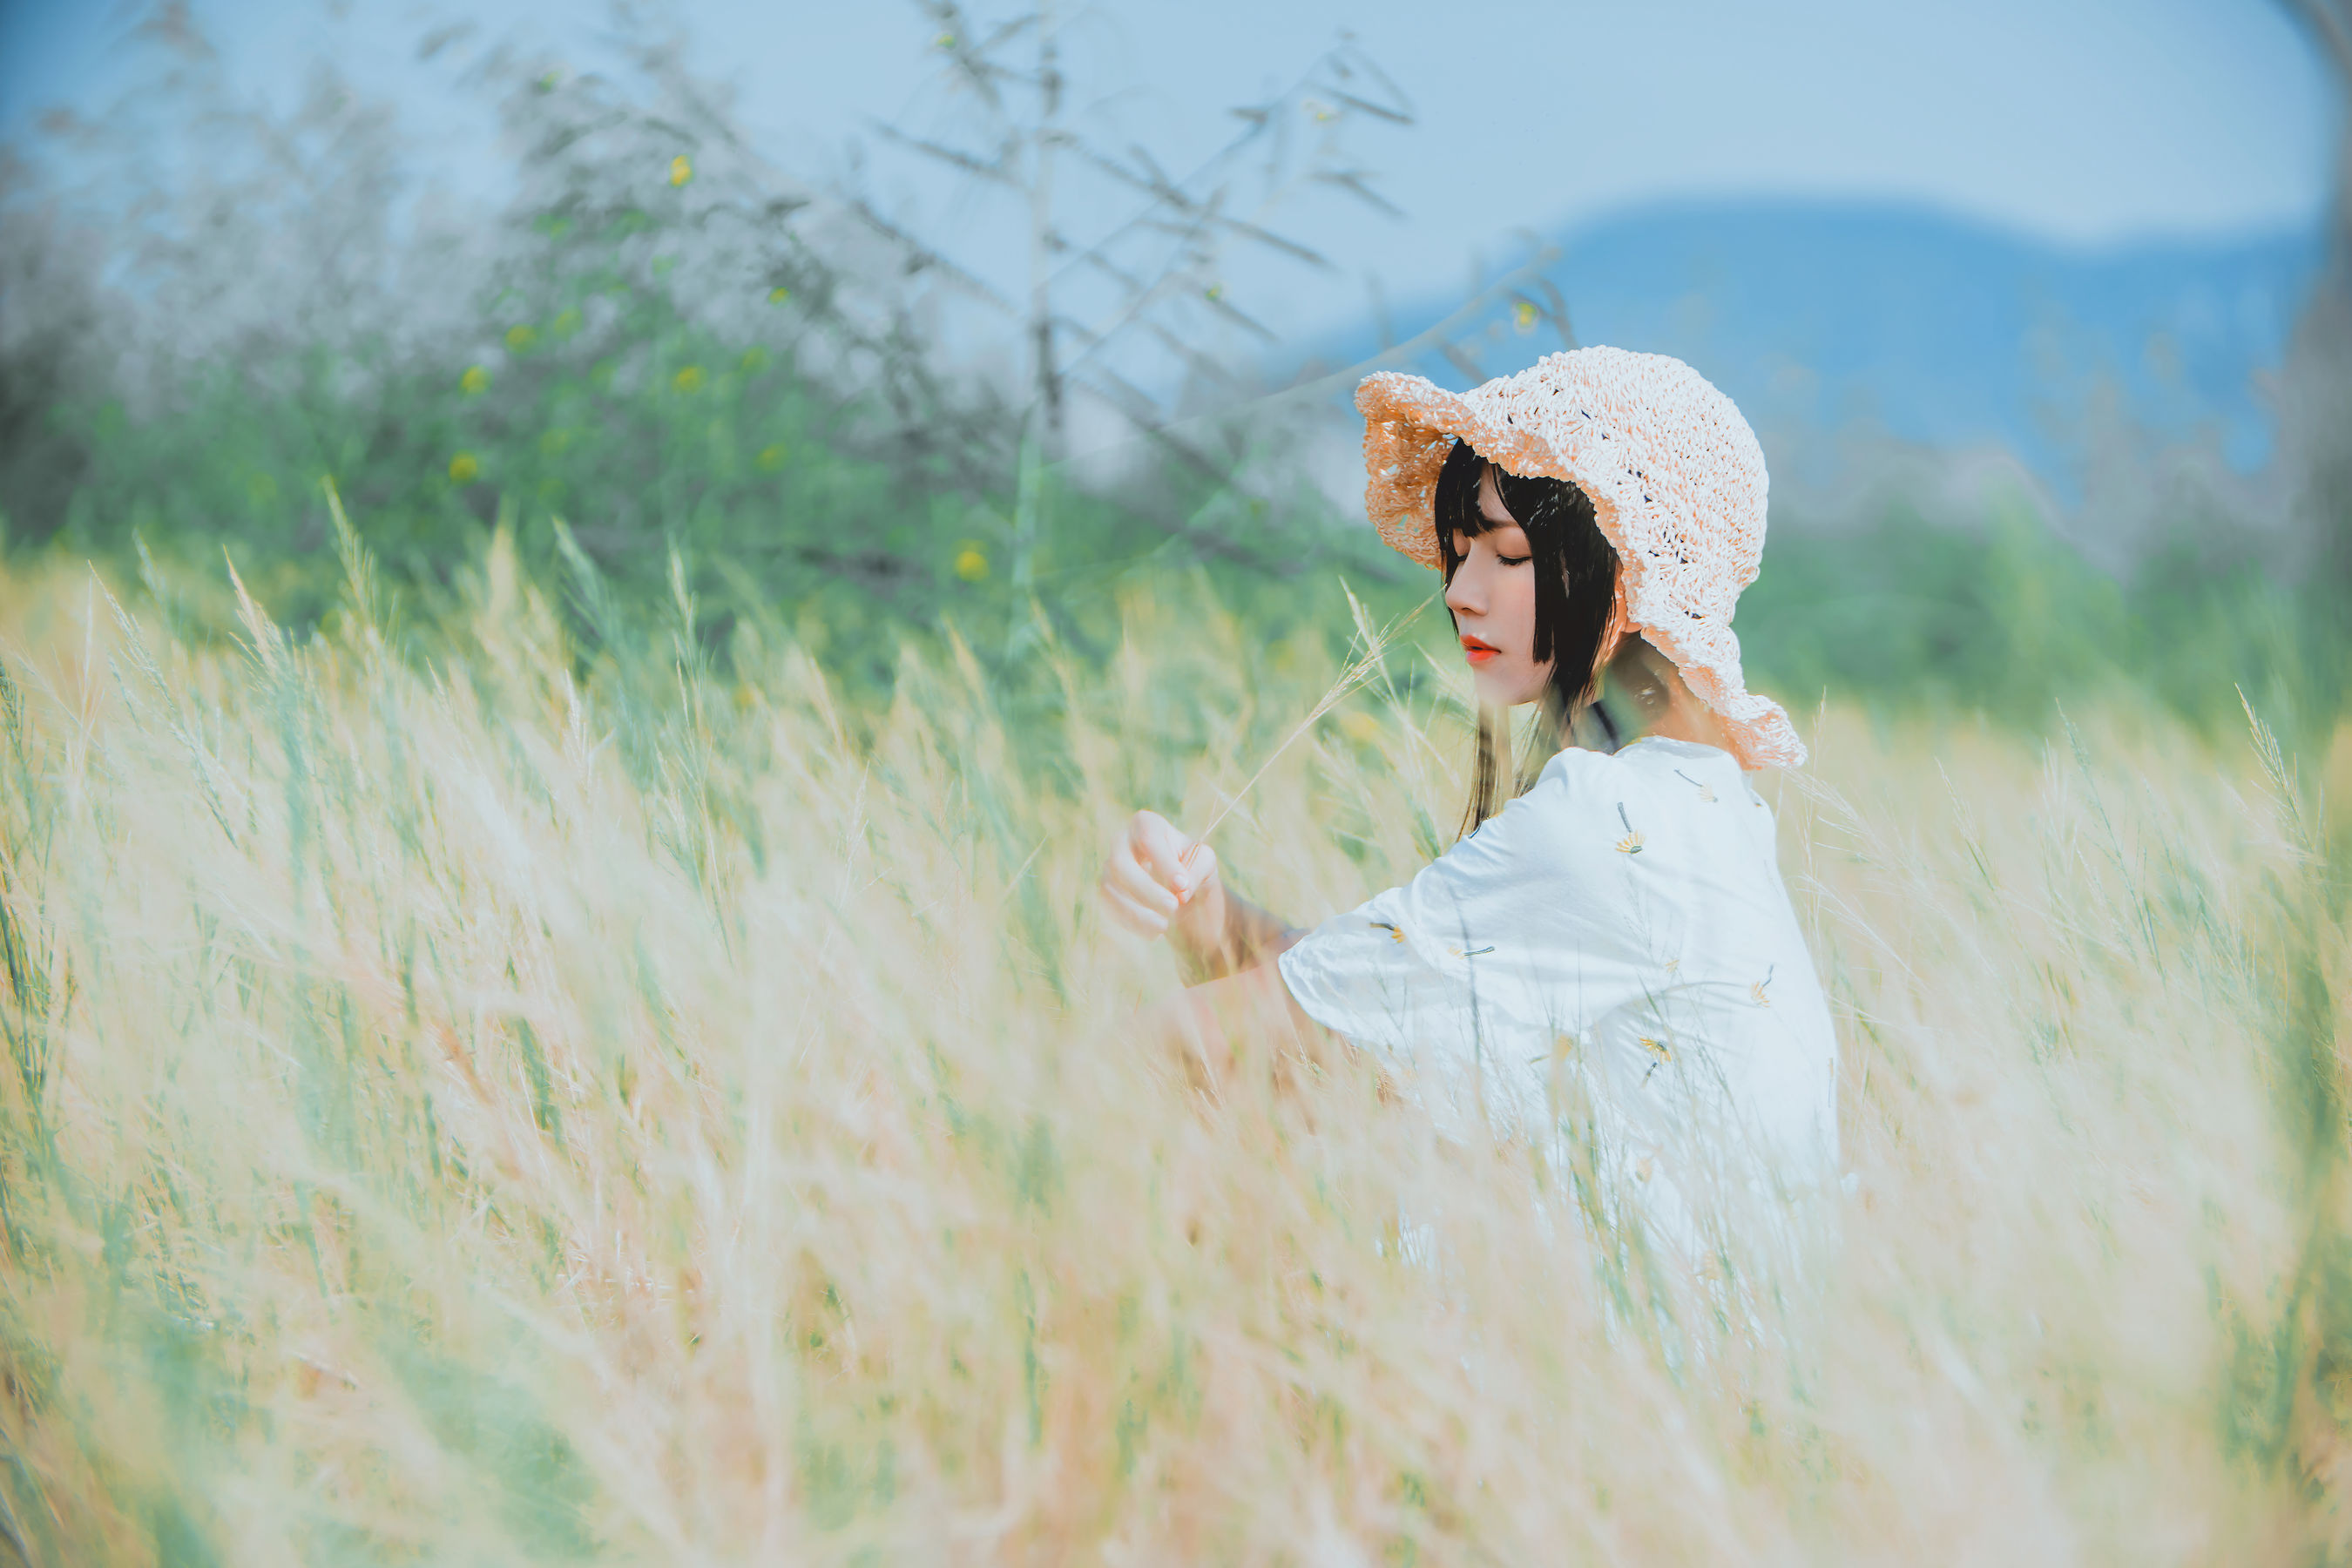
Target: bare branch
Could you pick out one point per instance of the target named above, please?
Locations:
(1428, 337)
(1352, 180)
(1352, 101)
(1142, 155)
(1152, 183)
(1551, 308)
(1143, 413)
(1205, 365)
(1111, 269)
(670, 128)
(1347, 60)
(1461, 361)
(1268, 237)
(1076, 328)
(558, 140)
(772, 211)
(440, 38)
(1559, 320)
(1008, 32)
(1162, 261)
(1141, 300)
(1261, 118)
(964, 161)
(922, 257)
(971, 61)
(1216, 300)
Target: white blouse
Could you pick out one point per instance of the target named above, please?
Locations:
(1617, 938)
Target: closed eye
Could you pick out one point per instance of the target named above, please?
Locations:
(1514, 559)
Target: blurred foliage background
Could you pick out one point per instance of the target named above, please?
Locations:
(672, 368)
(416, 1147)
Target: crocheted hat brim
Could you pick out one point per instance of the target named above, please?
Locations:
(1677, 481)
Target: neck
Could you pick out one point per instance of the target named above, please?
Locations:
(1643, 695)
(1692, 721)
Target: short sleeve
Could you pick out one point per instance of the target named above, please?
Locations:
(1521, 933)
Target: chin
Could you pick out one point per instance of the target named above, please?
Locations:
(1508, 693)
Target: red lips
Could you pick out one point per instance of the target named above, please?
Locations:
(1477, 650)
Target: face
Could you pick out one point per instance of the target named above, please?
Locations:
(1492, 597)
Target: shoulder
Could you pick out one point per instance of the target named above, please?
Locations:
(1579, 801)
(1656, 766)
(1656, 792)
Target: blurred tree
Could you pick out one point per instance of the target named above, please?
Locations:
(1127, 300)
(1136, 288)
(1101, 276)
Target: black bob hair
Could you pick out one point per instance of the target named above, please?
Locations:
(1576, 590)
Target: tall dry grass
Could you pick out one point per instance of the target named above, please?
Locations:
(462, 1111)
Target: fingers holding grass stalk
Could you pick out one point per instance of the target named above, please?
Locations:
(1159, 881)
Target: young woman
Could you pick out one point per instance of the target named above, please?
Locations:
(1617, 927)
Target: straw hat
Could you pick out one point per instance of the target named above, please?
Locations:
(1677, 485)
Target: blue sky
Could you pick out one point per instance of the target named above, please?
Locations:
(2084, 122)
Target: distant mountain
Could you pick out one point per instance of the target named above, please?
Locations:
(1916, 324)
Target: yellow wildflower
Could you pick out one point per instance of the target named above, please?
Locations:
(779, 294)
(771, 457)
(1358, 726)
(691, 379)
(680, 170)
(971, 564)
(474, 382)
(519, 338)
(567, 323)
(1523, 316)
(465, 469)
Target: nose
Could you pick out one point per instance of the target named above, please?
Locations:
(1466, 593)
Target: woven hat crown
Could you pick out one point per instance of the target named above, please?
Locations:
(1677, 485)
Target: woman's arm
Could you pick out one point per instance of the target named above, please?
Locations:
(1247, 938)
(1214, 1028)
(1160, 882)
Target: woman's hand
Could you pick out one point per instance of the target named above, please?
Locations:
(1159, 881)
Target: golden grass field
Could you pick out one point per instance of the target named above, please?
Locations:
(459, 1113)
